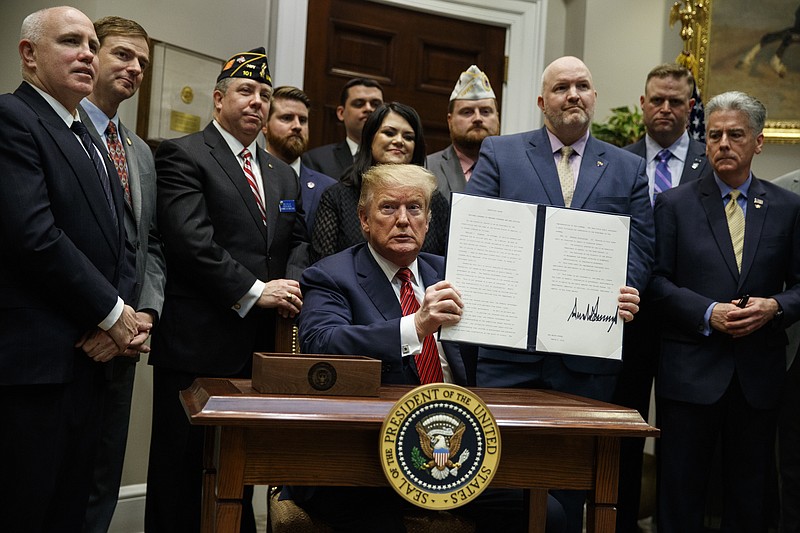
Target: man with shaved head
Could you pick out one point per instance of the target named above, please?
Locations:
(561, 164)
(66, 277)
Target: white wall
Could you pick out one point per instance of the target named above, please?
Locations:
(620, 40)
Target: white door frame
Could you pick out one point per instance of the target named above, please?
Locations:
(524, 20)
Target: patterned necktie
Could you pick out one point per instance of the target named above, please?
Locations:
(735, 216)
(80, 130)
(663, 178)
(251, 180)
(565, 175)
(428, 365)
(117, 154)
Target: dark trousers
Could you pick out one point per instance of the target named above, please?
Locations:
(48, 446)
(117, 393)
(175, 469)
(689, 433)
(789, 451)
(550, 373)
(634, 387)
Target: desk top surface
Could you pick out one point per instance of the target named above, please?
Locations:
(232, 402)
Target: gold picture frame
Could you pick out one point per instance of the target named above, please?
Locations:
(175, 97)
(725, 45)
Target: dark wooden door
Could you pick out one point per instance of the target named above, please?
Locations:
(416, 56)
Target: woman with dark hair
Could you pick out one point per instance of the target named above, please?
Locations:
(392, 135)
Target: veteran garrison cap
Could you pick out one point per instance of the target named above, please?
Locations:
(473, 84)
(251, 65)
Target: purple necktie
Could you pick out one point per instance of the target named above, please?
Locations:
(663, 181)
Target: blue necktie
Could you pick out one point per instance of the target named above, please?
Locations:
(663, 180)
(80, 130)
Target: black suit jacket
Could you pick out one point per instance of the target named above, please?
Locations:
(64, 261)
(216, 247)
(330, 159)
(695, 266)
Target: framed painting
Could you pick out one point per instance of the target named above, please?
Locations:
(175, 98)
(754, 47)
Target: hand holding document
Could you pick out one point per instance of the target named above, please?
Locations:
(537, 277)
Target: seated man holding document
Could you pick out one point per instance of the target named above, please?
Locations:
(385, 299)
(563, 165)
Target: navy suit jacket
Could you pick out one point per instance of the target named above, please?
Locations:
(312, 185)
(64, 261)
(611, 180)
(216, 247)
(330, 159)
(349, 307)
(695, 166)
(695, 266)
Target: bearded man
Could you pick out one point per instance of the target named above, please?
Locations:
(286, 131)
(471, 117)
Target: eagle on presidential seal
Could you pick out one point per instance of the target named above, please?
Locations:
(440, 439)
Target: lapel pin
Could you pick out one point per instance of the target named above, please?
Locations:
(695, 164)
(129, 141)
(758, 202)
(599, 163)
(311, 185)
(269, 165)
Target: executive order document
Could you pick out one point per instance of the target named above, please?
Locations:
(536, 277)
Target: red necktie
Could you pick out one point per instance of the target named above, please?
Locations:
(251, 180)
(428, 366)
(117, 154)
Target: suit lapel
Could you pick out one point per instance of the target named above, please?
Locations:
(543, 166)
(271, 193)
(375, 285)
(695, 165)
(451, 167)
(757, 207)
(715, 213)
(593, 165)
(134, 181)
(343, 156)
(221, 152)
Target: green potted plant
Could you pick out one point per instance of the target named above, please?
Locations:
(622, 128)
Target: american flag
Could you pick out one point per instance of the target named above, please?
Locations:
(697, 118)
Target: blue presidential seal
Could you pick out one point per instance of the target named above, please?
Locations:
(440, 446)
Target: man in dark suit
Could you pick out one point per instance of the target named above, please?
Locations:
(594, 175)
(354, 304)
(359, 98)
(235, 241)
(286, 131)
(122, 59)
(66, 277)
(666, 105)
(471, 117)
(725, 285)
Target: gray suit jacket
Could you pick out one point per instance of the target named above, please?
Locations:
(140, 220)
(447, 169)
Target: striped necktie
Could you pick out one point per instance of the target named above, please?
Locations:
(735, 216)
(251, 180)
(83, 134)
(428, 366)
(663, 178)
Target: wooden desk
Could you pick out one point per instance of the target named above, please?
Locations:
(549, 440)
